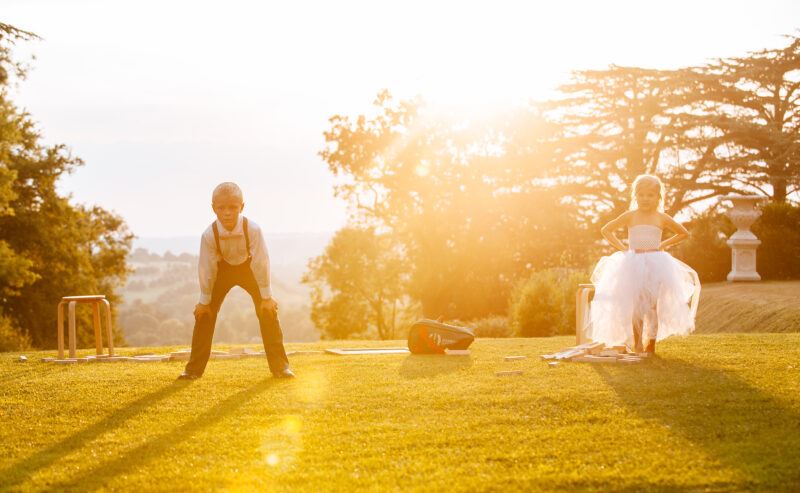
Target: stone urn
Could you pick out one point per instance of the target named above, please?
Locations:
(743, 242)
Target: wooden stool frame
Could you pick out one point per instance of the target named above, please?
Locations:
(71, 302)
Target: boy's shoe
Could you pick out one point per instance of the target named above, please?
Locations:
(188, 376)
(285, 373)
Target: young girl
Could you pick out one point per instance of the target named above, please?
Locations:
(642, 293)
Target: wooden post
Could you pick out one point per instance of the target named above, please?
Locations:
(72, 337)
(108, 328)
(60, 329)
(581, 304)
(578, 316)
(98, 338)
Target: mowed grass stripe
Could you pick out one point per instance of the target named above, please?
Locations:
(718, 412)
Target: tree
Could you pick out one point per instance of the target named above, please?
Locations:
(754, 102)
(50, 247)
(358, 286)
(448, 190)
(15, 270)
(621, 122)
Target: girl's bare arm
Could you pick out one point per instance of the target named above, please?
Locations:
(608, 231)
(681, 233)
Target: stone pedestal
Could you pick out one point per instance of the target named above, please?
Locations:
(743, 242)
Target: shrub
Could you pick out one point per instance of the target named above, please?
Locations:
(544, 304)
(705, 250)
(494, 326)
(12, 339)
(778, 256)
(778, 228)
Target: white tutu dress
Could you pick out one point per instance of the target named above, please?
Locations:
(651, 286)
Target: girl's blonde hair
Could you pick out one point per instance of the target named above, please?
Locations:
(647, 181)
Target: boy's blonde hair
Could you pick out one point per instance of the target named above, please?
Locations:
(647, 181)
(227, 188)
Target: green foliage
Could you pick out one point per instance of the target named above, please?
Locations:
(357, 287)
(778, 228)
(50, 248)
(495, 326)
(15, 271)
(778, 256)
(752, 103)
(462, 198)
(620, 122)
(713, 413)
(12, 339)
(706, 251)
(544, 304)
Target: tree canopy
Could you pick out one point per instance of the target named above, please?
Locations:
(477, 204)
(49, 246)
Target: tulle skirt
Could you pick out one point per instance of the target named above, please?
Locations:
(652, 287)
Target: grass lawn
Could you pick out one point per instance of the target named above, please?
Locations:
(712, 413)
(770, 306)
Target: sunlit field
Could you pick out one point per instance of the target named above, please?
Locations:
(711, 413)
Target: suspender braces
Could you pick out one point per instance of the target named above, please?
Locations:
(246, 237)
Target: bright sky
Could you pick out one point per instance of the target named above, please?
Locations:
(165, 99)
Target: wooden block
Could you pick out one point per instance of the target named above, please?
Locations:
(348, 351)
(627, 361)
(508, 373)
(594, 359)
(620, 349)
(150, 358)
(48, 360)
(608, 352)
(515, 358)
(67, 361)
(596, 348)
(262, 354)
(552, 364)
(300, 353)
(224, 356)
(217, 352)
(243, 351)
(114, 359)
(457, 352)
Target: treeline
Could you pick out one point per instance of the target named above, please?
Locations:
(49, 246)
(454, 216)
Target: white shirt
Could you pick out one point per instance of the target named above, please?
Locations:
(234, 251)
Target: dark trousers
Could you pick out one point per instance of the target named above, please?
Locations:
(229, 276)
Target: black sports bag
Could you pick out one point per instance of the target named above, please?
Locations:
(432, 337)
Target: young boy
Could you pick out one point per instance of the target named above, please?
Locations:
(233, 253)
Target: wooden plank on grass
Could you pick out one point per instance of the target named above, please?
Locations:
(349, 351)
(508, 373)
(594, 359)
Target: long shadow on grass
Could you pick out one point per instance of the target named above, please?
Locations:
(741, 426)
(432, 365)
(24, 469)
(162, 445)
